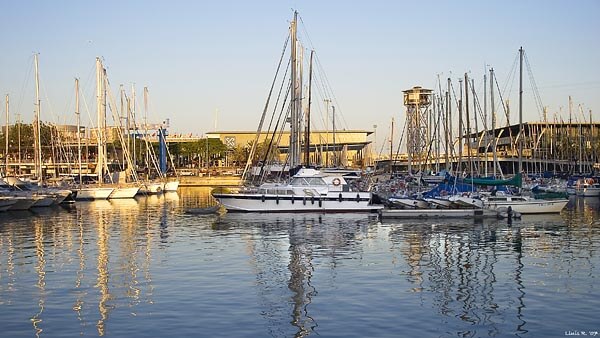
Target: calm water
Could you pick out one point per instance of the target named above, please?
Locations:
(145, 268)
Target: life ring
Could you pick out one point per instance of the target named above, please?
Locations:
(336, 181)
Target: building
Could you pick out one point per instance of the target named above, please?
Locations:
(566, 148)
(349, 148)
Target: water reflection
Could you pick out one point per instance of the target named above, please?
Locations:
(282, 250)
(102, 281)
(99, 262)
(40, 269)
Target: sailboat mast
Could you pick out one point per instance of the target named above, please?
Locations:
(6, 138)
(485, 118)
(37, 130)
(100, 123)
(493, 112)
(132, 110)
(146, 130)
(392, 148)
(468, 118)
(295, 108)
(521, 136)
(476, 133)
(78, 127)
(335, 154)
(460, 128)
(447, 131)
(307, 127)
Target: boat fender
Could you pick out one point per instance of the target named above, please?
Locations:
(320, 203)
(340, 197)
(293, 199)
(357, 198)
(277, 200)
(262, 198)
(304, 200)
(312, 199)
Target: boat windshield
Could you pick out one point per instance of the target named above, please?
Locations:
(308, 181)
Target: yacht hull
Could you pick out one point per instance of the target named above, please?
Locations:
(348, 202)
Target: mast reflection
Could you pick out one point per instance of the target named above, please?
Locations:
(305, 237)
(40, 269)
(458, 265)
(102, 279)
(301, 270)
(79, 302)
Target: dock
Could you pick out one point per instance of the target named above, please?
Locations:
(437, 213)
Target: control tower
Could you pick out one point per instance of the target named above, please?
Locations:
(417, 101)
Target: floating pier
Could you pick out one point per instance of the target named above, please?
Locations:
(437, 213)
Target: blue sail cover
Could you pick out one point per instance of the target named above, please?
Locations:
(450, 189)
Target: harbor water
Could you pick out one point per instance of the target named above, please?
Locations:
(146, 268)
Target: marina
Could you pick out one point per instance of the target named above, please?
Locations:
(145, 267)
(189, 170)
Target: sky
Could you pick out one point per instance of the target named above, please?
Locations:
(208, 65)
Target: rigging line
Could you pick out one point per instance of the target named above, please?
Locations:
(442, 112)
(326, 79)
(322, 98)
(276, 128)
(87, 84)
(510, 81)
(306, 32)
(279, 133)
(249, 161)
(393, 161)
(504, 108)
(279, 94)
(536, 93)
(26, 81)
(455, 96)
(479, 110)
(112, 107)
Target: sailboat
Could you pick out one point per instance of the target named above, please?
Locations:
(308, 190)
(102, 190)
(35, 190)
(519, 203)
(86, 192)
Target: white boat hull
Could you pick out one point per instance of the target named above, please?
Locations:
(124, 192)
(43, 201)
(410, 203)
(151, 188)
(467, 201)
(532, 206)
(439, 202)
(350, 202)
(171, 186)
(587, 191)
(93, 193)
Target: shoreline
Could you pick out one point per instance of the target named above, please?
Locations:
(212, 181)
